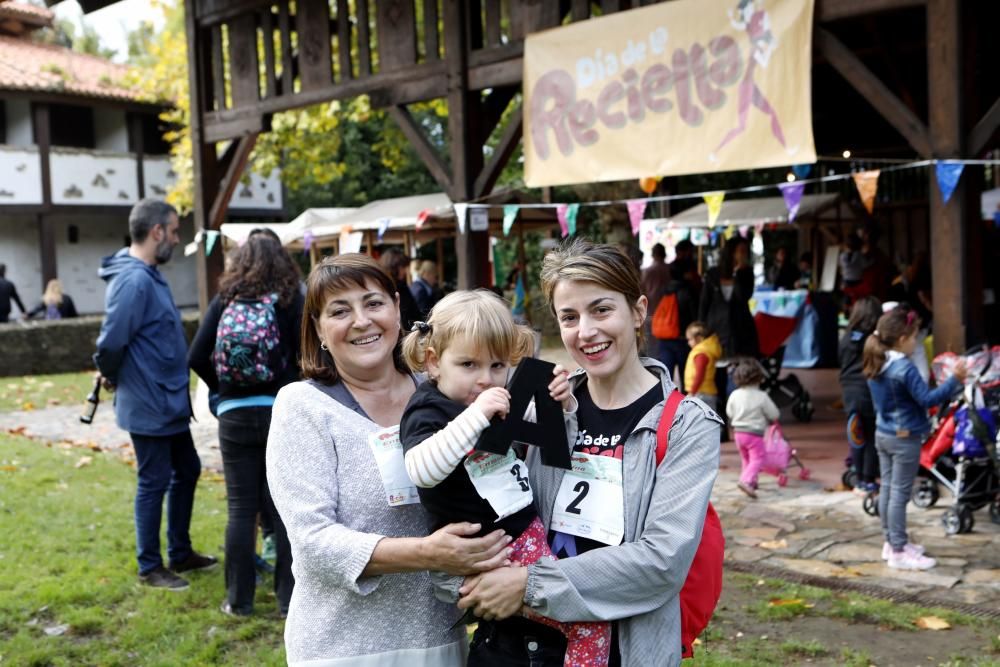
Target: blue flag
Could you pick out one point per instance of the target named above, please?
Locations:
(948, 174)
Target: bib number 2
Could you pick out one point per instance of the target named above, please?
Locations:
(590, 503)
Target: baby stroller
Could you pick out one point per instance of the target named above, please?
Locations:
(961, 453)
(778, 454)
(784, 391)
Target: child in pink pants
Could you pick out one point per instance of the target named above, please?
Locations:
(750, 411)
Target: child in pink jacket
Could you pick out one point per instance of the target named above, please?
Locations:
(750, 411)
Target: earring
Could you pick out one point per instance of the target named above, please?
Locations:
(323, 346)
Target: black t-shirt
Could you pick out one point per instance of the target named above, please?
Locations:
(455, 499)
(602, 432)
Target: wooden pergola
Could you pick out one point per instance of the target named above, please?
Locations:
(920, 74)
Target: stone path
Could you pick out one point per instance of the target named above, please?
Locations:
(805, 528)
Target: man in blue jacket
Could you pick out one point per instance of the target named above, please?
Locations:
(142, 356)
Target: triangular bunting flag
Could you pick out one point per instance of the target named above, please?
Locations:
(867, 184)
(758, 228)
(460, 212)
(948, 174)
(792, 193)
(714, 202)
(509, 216)
(699, 236)
(636, 209)
(561, 217)
(422, 218)
(801, 170)
(211, 236)
(729, 233)
(571, 214)
(307, 239)
(744, 230)
(383, 227)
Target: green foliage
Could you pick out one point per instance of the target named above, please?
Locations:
(68, 555)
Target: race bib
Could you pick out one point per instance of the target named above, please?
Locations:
(388, 451)
(590, 502)
(501, 480)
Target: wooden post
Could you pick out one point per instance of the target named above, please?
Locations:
(204, 159)
(471, 248)
(46, 231)
(370, 243)
(946, 220)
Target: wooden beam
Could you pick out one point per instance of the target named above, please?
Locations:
(203, 158)
(344, 41)
(873, 90)
(427, 153)
(312, 24)
(501, 155)
(42, 126)
(364, 39)
(395, 22)
(244, 66)
(834, 10)
(985, 129)
(234, 168)
(432, 39)
(136, 145)
(947, 241)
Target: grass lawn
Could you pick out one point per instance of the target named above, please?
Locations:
(68, 591)
(33, 392)
(67, 567)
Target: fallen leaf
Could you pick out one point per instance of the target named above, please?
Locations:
(774, 544)
(27, 406)
(84, 461)
(696, 642)
(57, 630)
(8, 468)
(932, 623)
(785, 603)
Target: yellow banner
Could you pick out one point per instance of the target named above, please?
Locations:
(681, 87)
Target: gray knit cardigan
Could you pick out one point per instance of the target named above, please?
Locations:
(327, 489)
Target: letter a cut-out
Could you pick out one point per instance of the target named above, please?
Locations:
(531, 381)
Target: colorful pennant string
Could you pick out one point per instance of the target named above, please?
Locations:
(867, 184)
(792, 193)
(636, 209)
(948, 174)
(509, 216)
(714, 202)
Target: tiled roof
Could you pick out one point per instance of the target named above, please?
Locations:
(26, 12)
(26, 65)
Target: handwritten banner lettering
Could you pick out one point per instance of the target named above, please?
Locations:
(681, 87)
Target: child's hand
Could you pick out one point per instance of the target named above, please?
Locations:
(494, 401)
(961, 371)
(559, 388)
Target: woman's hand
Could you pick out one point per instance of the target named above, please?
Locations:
(961, 371)
(450, 550)
(559, 388)
(495, 595)
(494, 401)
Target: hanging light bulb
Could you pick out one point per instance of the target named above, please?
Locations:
(789, 177)
(846, 154)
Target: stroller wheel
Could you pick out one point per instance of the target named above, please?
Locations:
(966, 517)
(925, 493)
(995, 511)
(782, 479)
(803, 410)
(850, 478)
(804, 474)
(951, 522)
(870, 503)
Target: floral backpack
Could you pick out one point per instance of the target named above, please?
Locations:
(247, 343)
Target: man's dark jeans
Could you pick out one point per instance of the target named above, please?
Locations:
(673, 354)
(243, 441)
(168, 466)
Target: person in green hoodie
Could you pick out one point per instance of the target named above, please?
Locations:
(699, 371)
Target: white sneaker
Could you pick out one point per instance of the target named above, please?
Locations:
(910, 561)
(915, 549)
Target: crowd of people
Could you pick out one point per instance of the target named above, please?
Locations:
(350, 408)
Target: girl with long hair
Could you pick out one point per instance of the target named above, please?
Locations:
(857, 398)
(901, 399)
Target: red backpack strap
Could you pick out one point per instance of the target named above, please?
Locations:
(666, 420)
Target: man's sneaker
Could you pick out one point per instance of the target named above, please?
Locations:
(747, 489)
(911, 548)
(195, 562)
(904, 560)
(161, 577)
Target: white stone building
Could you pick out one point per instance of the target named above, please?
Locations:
(77, 150)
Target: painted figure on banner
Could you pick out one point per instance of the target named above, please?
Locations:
(750, 16)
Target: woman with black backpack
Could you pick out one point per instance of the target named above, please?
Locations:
(246, 349)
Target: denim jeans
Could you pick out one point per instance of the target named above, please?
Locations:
(673, 354)
(168, 466)
(243, 442)
(899, 459)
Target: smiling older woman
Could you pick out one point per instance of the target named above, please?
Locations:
(625, 548)
(360, 550)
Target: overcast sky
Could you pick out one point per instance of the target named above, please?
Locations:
(114, 22)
